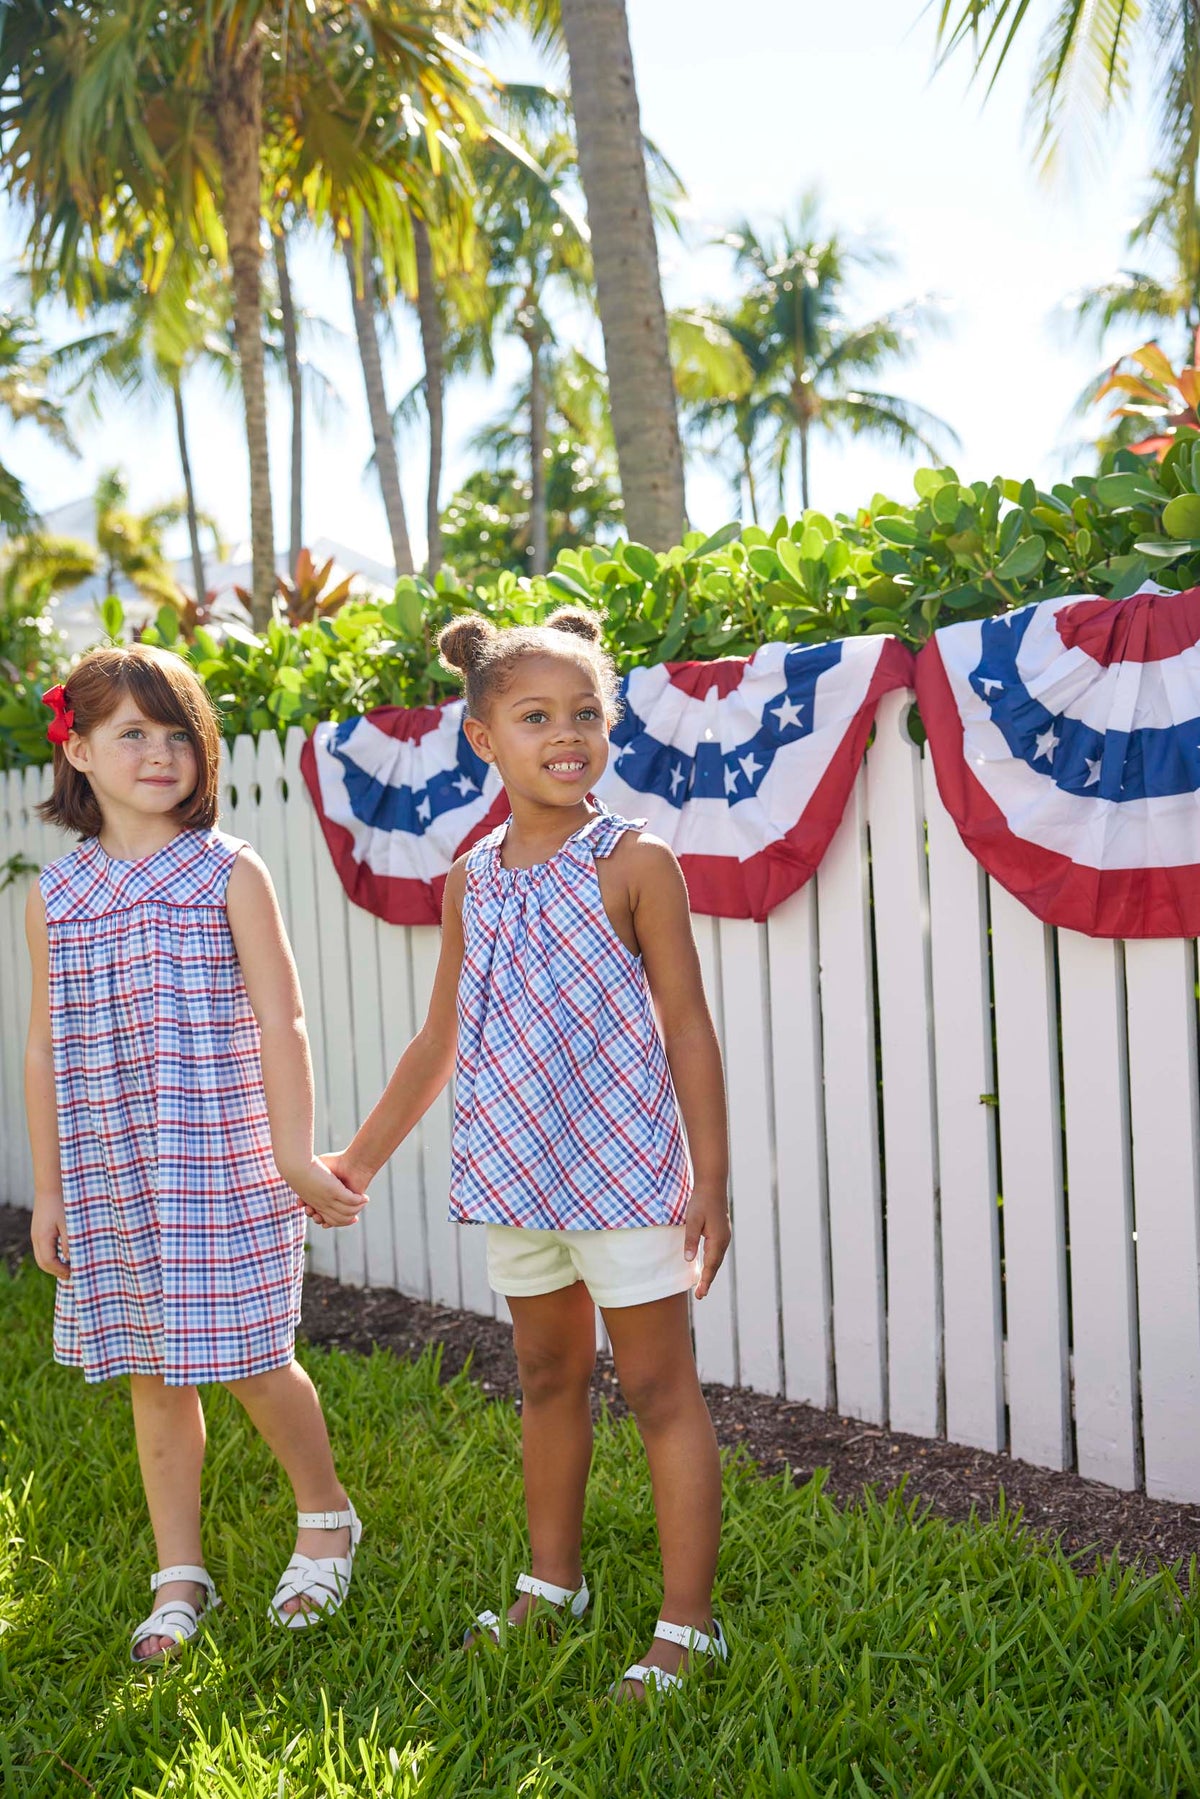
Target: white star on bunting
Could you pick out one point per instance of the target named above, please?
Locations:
(425, 810)
(787, 713)
(1046, 745)
(1093, 768)
(730, 780)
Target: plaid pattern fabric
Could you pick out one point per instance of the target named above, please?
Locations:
(565, 1117)
(186, 1246)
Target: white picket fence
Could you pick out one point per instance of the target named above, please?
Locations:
(903, 1043)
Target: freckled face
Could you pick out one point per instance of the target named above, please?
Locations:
(547, 731)
(136, 762)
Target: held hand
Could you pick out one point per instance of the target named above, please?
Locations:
(326, 1198)
(707, 1217)
(48, 1234)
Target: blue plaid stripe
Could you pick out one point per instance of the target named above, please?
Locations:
(186, 1247)
(565, 1117)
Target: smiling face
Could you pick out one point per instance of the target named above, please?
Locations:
(136, 765)
(546, 731)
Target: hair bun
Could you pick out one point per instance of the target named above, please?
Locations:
(462, 642)
(580, 623)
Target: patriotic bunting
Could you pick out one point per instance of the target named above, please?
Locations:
(743, 766)
(1066, 744)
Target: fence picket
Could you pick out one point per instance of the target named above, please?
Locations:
(899, 871)
(713, 1319)
(445, 1285)
(1160, 983)
(755, 1274)
(851, 1118)
(803, 1206)
(1103, 1305)
(304, 851)
(1031, 1163)
(403, 1175)
(972, 1334)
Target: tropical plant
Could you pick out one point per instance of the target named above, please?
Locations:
(612, 167)
(488, 524)
(1157, 402)
(130, 544)
(1087, 63)
(305, 596)
(811, 364)
(107, 110)
(25, 370)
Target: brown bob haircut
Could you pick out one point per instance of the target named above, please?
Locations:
(165, 690)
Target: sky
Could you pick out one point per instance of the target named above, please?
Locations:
(753, 106)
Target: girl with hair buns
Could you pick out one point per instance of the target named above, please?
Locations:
(568, 1004)
(169, 1095)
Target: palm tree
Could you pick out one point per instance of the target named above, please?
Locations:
(131, 543)
(1135, 297)
(145, 340)
(25, 369)
(811, 364)
(79, 83)
(1086, 66)
(629, 293)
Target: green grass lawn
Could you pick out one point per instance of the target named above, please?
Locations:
(874, 1651)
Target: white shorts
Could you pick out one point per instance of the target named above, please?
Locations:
(628, 1267)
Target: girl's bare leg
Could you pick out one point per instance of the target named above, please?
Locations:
(284, 1409)
(169, 1426)
(652, 1348)
(555, 1340)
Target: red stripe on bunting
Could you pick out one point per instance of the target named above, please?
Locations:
(1113, 902)
(390, 897)
(722, 887)
(1141, 629)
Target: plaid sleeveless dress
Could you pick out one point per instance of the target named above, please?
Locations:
(564, 1113)
(186, 1246)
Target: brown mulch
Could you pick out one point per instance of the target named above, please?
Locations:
(1088, 1519)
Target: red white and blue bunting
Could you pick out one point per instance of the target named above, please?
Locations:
(743, 766)
(1066, 744)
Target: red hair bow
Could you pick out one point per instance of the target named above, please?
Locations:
(59, 728)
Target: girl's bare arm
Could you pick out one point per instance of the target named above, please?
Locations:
(663, 923)
(48, 1231)
(274, 991)
(426, 1064)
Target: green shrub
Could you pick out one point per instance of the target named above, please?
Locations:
(960, 551)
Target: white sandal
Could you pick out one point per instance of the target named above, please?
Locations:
(573, 1601)
(322, 1579)
(696, 1642)
(175, 1618)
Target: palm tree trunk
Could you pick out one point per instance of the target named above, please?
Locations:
(193, 522)
(804, 465)
(363, 299)
(539, 536)
(291, 353)
(433, 352)
(751, 491)
(237, 110)
(632, 316)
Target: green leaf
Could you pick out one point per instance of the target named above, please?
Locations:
(812, 544)
(717, 541)
(790, 556)
(1181, 517)
(642, 561)
(944, 505)
(1025, 560)
(166, 621)
(405, 612)
(112, 616)
(1162, 549)
(926, 481)
(1116, 491)
(242, 634)
(899, 530)
(564, 584)
(765, 562)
